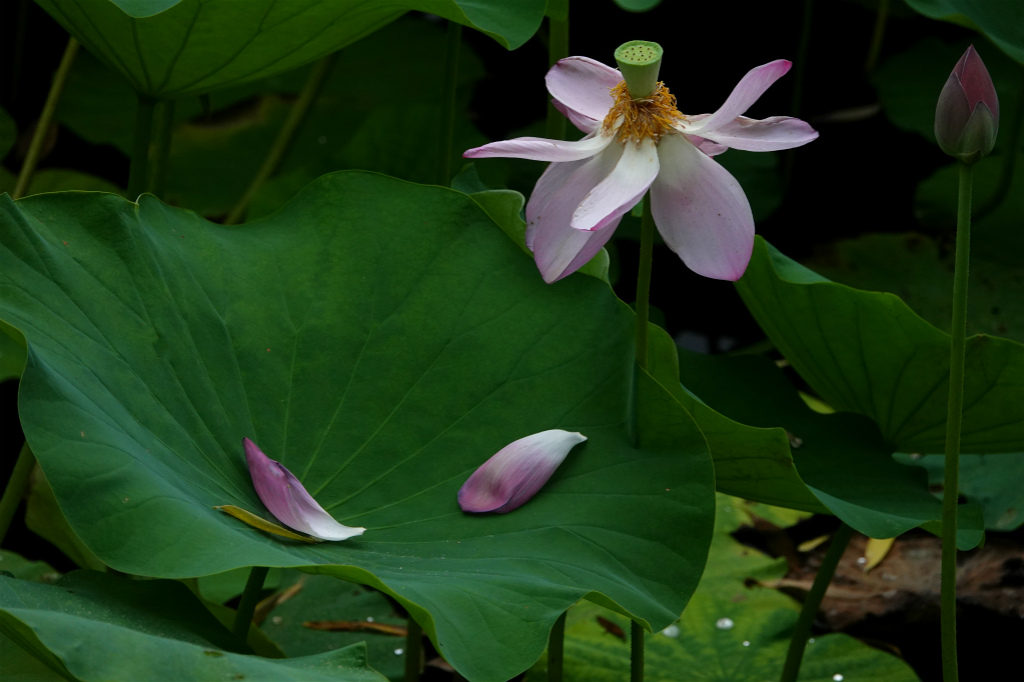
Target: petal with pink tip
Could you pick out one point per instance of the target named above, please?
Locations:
(583, 123)
(701, 211)
(539, 149)
(286, 498)
(558, 248)
(768, 135)
(743, 96)
(512, 476)
(583, 85)
(619, 192)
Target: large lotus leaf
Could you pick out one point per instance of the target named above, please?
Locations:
(991, 481)
(840, 457)
(380, 339)
(913, 267)
(322, 598)
(1000, 21)
(729, 632)
(196, 46)
(95, 626)
(867, 352)
(750, 461)
(348, 124)
(996, 233)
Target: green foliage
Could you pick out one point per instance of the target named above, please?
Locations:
(93, 626)
(326, 333)
(990, 481)
(868, 353)
(44, 518)
(193, 47)
(913, 267)
(1000, 21)
(840, 457)
(321, 598)
(750, 647)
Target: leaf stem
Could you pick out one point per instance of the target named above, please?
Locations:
(139, 171)
(556, 650)
(449, 93)
(284, 138)
(250, 597)
(18, 484)
(877, 36)
(413, 651)
(802, 629)
(558, 49)
(164, 128)
(643, 282)
(43, 125)
(954, 413)
(636, 652)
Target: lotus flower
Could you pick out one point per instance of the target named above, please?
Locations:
(633, 145)
(967, 115)
(511, 477)
(287, 499)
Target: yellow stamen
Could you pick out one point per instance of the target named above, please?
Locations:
(650, 117)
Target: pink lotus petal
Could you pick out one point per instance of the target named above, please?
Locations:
(287, 499)
(558, 248)
(619, 192)
(582, 84)
(539, 149)
(583, 123)
(747, 91)
(511, 477)
(976, 82)
(707, 146)
(701, 211)
(768, 135)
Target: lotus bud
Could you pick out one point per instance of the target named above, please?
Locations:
(967, 115)
(511, 477)
(286, 498)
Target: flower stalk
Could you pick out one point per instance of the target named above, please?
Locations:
(643, 282)
(802, 629)
(250, 597)
(35, 147)
(413, 650)
(558, 49)
(138, 173)
(954, 415)
(450, 91)
(556, 650)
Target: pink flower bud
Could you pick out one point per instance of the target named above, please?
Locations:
(287, 499)
(511, 477)
(967, 115)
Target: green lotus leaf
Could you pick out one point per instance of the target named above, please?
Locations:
(94, 626)
(868, 353)
(1000, 21)
(381, 340)
(195, 46)
(730, 632)
(841, 458)
(990, 481)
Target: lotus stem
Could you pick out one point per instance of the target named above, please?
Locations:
(138, 174)
(413, 651)
(954, 414)
(250, 597)
(283, 139)
(643, 282)
(556, 650)
(636, 652)
(558, 49)
(449, 93)
(35, 147)
(164, 128)
(802, 629)
(16, 487)
(877, 36)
